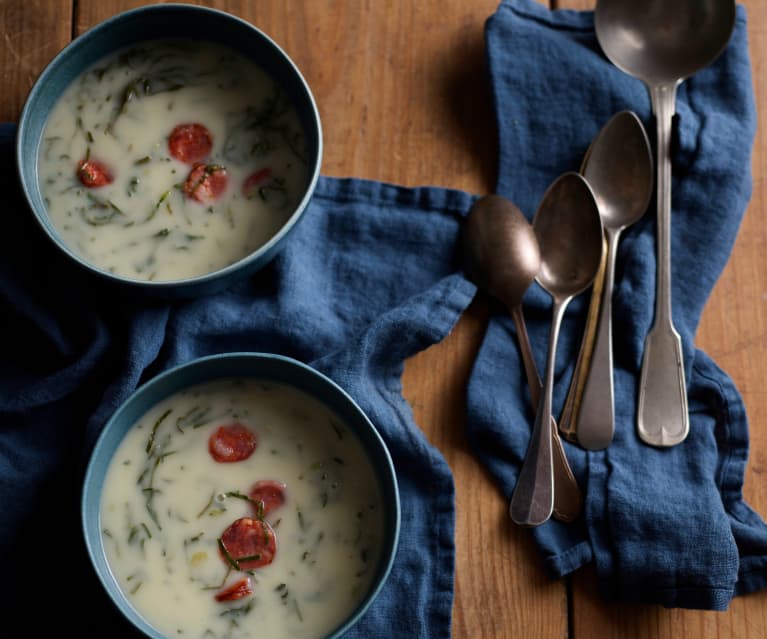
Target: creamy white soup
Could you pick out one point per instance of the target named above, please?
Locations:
(241, 508)
(171, 159)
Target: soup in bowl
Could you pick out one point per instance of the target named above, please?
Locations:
(171, 147)
(240, 496)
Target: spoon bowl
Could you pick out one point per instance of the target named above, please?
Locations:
(619, 168)
(501, 255)
(664, 41)
(570, 234)
(570, 237)
(501, 251)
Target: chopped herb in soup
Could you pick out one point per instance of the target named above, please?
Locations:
(241, 509)
(171, 159)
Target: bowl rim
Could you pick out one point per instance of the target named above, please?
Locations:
(91, 492)
(205, 280)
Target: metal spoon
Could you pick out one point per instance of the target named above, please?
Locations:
(502, 257)
(570, 235)
(662, 44)
(619, 169)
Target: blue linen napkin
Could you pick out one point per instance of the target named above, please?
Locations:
(662, 526)
(368, 278)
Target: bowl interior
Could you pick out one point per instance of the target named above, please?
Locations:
(158, 22)
(240, 365)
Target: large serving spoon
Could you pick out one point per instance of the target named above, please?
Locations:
(619, 169)
(570, 236)
(662, 43)
(502, 257)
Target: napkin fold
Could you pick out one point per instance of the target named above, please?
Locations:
(665, 526)
(368, 278)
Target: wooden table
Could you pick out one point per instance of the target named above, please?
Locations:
(402, 94)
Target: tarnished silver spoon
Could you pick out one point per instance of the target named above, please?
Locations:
(502, 257)
(662, 43)
(619, 169)
(570, 235)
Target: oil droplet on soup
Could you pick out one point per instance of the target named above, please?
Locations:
(171, 159)
(283, 542)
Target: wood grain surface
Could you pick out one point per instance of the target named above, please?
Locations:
(403, 97)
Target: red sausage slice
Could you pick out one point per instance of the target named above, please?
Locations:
(190, 142)
(251, 543)
(206, 182)
(254, 180)
(237, 590)
(232, 443)
(93, 173)
(270, 493)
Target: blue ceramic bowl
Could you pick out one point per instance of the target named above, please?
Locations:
(238, 365)
(156, 22)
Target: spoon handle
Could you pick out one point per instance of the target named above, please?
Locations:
(526, 349)
(596, 417)
(568, 420)
(532, 502)
(568, 499)
(662, 418)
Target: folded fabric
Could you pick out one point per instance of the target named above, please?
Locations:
(350, 294)
(667, 526)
